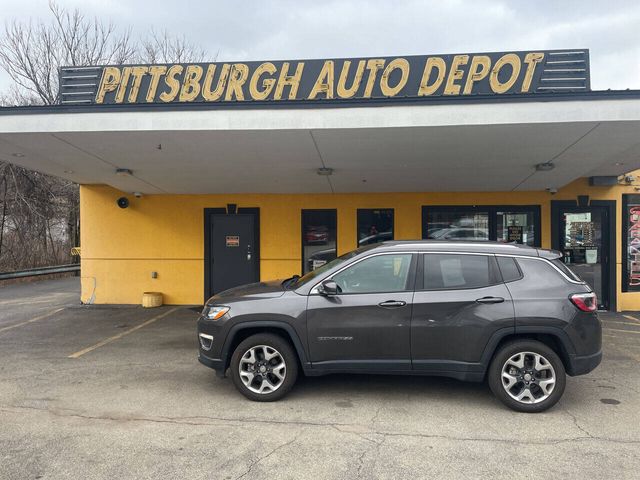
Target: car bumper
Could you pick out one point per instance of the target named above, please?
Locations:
(214, 363)
(582, 364)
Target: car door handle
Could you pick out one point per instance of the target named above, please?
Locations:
(392, 304)
(490, 300)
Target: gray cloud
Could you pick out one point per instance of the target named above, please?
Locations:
(281, 29)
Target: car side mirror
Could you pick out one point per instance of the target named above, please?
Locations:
(328, 288)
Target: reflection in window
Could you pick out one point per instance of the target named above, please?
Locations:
(374, 226)
(381, 273)
(457, 225)
(318, 238)
(444, 271)
(516, 227)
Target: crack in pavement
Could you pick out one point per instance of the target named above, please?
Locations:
(340, 427)
(578, 426)
(264, 457)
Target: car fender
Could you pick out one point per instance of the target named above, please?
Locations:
(234, 330)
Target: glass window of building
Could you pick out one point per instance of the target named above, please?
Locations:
(511, 224)
(319, 234)
(457, 225)
(516, 227)
(374, 225)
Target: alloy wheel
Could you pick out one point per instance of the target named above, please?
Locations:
(262, 369)
(528, 377)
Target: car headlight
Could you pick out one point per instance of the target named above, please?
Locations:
(215, 312)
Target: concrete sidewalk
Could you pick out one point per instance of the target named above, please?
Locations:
(137, 404)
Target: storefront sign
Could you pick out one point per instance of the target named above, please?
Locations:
(514, 233)
(355, 79)
(631, 242)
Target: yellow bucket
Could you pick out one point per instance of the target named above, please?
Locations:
(151, 299)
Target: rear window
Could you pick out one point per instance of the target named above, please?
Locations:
(566, 270)
(451, 271)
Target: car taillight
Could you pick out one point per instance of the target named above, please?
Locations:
(586, 302)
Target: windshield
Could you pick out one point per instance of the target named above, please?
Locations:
(328, 266)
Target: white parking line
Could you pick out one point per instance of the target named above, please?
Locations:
(120, 335)
(619, 330)
(41, 317)
(630, 317)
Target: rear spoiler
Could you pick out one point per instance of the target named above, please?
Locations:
(549, 254)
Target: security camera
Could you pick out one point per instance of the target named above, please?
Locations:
(123, 202)
(552, 191)
(137, 194)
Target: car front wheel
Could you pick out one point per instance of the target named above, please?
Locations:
(527, 376)
(264, 367)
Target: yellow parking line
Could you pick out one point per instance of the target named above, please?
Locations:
(630, 317)
(120, 335)
(41, 317)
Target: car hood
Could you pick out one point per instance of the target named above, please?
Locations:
(270, 289)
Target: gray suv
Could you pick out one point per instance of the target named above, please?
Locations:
(514, 315)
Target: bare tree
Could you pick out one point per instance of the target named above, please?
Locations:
(39, 214)
(161, 47)
(32, 53)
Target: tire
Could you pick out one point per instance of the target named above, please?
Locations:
(269, 351)
(542, 392)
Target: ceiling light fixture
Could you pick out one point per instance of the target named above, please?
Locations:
(124, 172)
(325, 171)
(545, 167)
(17, 155)
(68, 172)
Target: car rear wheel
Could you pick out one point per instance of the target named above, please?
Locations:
(527, 376)
(264, 367)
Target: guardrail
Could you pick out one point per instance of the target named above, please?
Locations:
(34, 272)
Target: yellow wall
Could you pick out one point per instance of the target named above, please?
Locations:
(165, 233)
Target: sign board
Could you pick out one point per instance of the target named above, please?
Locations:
(232, 241)
(331, 80)
(514, 234)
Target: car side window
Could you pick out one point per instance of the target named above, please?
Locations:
(456, 271)
(509, 269)
(377, 274)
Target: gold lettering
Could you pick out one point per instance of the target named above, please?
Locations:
(403, 66)
(425, 87)
(137, 73)
(373, 65)
(508, 59)
(451, 87)
(324, 82)
(267, 83)
(172, 82)
(293, 81)
(122, 88)
(213, 95)
(237, 78)
(156, 71)
(191, 83)
(479, 69)
(341, 88)
(532, 60)
(109, 82)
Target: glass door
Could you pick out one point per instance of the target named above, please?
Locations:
(584, 245)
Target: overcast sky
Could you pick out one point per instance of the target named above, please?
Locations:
(297, 29)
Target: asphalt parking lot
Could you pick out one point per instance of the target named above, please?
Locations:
(117, 392)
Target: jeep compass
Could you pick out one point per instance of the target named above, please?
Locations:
(512, 315)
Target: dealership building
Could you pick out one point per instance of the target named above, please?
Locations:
(198, 177)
